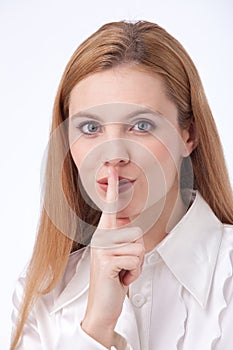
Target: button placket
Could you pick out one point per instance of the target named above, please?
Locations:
(141, 298)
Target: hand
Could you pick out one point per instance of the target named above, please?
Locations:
(116, 261)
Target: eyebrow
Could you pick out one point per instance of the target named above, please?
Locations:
(129, 115)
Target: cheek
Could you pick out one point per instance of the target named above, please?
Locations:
(161, 170)
(87, 158)
(80, 152)
(167, 163)
(160, 152)
(77, 154)
(167, 154)
(86, 168)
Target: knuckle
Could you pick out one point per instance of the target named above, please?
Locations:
(139, 270)
(140, 249)
(135, 261)
(143, 249)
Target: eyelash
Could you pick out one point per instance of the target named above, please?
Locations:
(86, 123)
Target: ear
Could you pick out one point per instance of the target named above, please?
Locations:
(190, 139)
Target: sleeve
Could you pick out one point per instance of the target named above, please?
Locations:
(82, 340)
(92, 344)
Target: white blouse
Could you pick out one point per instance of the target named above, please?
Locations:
(182, 300)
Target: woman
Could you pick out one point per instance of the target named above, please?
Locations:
(134, 246)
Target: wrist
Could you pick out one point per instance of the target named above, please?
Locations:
(103, 334)
(119, 343)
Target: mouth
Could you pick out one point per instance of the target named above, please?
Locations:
(124, 184)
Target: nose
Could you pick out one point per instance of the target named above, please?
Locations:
(115, 153)
(117, 162)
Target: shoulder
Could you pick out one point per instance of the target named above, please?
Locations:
(71, 267)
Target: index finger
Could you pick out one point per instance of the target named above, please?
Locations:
(108, 217)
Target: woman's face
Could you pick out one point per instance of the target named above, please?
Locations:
(122, 117)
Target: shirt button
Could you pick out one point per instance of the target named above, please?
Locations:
(138, 300)
(152, 259)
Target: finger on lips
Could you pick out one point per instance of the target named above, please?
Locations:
(103, 237)
(108, 217)
(113, 183)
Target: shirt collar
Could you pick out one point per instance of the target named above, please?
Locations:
(191, 249)
(78, 284)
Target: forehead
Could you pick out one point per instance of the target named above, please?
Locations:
(122, 85)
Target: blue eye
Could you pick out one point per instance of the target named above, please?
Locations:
(143, 125)
(89, 128)
(92, 127)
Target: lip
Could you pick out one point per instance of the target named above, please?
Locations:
(123, 221)
(124, 183)
(104, 180)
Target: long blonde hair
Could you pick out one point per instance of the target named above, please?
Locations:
(141, 44)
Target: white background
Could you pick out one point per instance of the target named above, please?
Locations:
(37, 39)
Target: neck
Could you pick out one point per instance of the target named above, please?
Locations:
(173, 209)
